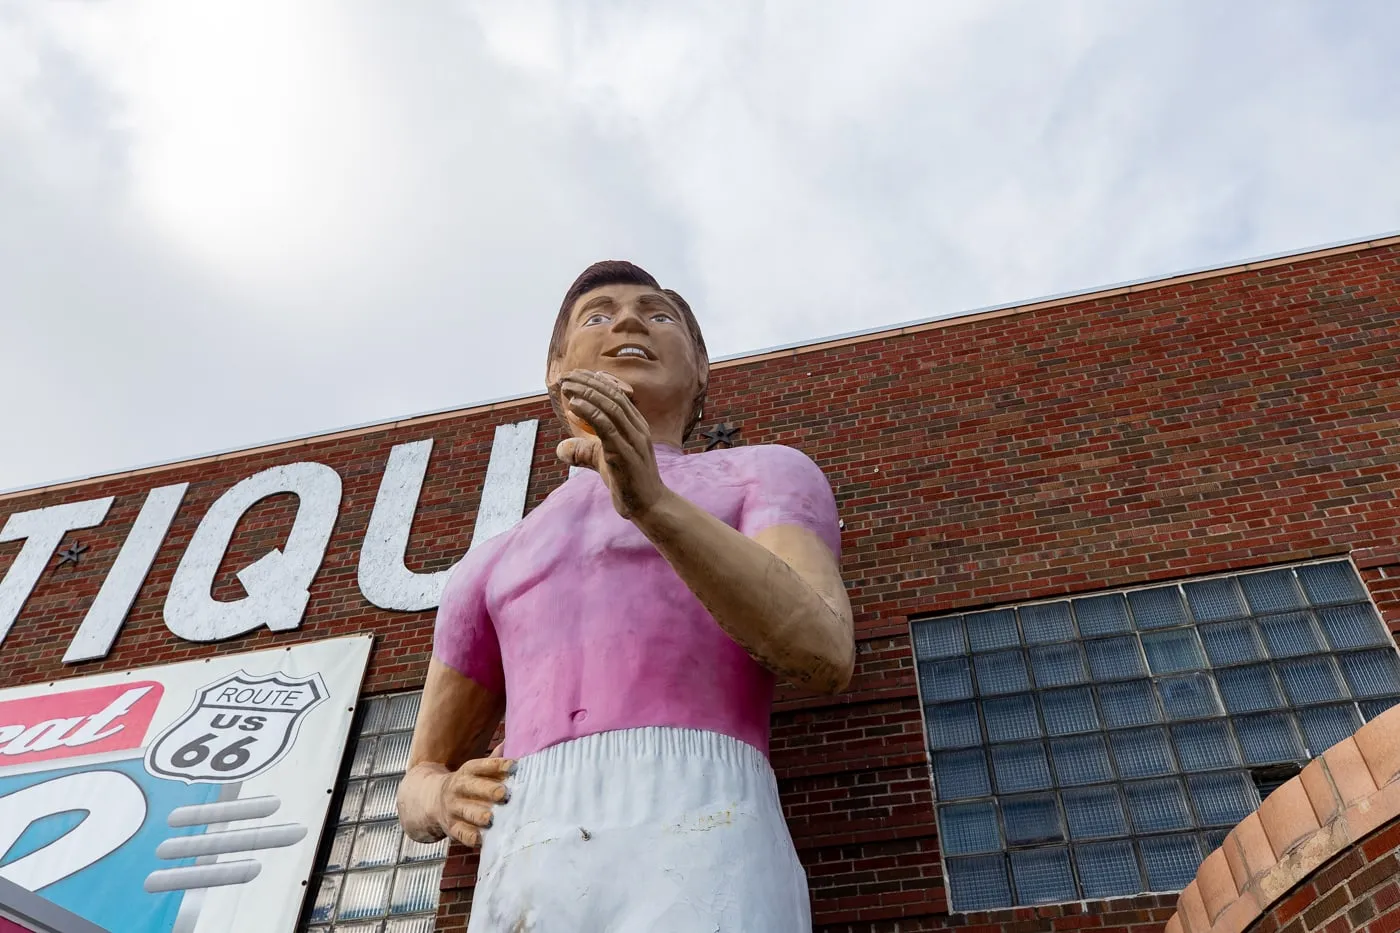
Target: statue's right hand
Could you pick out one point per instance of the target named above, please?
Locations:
(435, 802)
(468, 796)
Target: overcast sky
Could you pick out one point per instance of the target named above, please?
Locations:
(226, 223)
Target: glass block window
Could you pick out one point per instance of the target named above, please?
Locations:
(1101, 746)
(374, 878)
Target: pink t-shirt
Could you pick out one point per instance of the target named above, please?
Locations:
(587, 629)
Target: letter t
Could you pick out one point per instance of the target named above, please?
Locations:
(41, 530)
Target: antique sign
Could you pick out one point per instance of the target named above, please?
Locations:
(277, 585)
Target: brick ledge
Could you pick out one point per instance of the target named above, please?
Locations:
(1338, 800)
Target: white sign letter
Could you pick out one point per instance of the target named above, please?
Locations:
(116, 809)
(41, 530)
(278, 584)
(108, 611)
(384, 580)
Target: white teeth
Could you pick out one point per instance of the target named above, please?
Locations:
(632, 351)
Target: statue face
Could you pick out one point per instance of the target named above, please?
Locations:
(634, 333)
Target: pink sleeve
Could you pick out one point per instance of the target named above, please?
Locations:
(786, 488)
(464, 637)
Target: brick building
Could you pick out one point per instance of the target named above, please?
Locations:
(1121, 562)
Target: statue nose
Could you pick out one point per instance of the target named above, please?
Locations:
(630, 321)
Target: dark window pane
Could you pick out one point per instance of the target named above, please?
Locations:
(953, 725)
(1290, 634)
(1325, 726)
(961, 774)
(1102, 615)
(1188, 696)
(1157, 805)
(1001, 672)
(1043, 876)
(1213, 839)
(1271, 591)
(939, 638)
(1115, 658)
(1108, 869)
(988, 631)
(1245, 689)
(1142, 752)
(1232, 643)
(1171, 861)
(1373, 708)
(1046, 622)
(1158, 607)
(1223, 798)
(978, 883)
(1268, 738)
(1203, 746)
(945, 680)
(1128, 704)
(1058, 665)
(1334, 582)
(1020, 767)
(1352, 626)
(1215, 600)
(1011, 718)
(1094, 813)
(1031, 819)
(1177, 650)
(1081, 759)
(966, 828)
(1069, 711)
(1372, 673)
(1312, 680)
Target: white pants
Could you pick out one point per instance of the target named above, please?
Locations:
(653, 830)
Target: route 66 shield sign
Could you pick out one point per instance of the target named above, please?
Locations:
(238, 727)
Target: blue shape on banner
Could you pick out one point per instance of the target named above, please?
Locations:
(41, 832)
(110, 890)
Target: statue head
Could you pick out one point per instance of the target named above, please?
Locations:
(616, 319)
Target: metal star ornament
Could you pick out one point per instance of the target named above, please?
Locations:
(722, 433)
(71, 554)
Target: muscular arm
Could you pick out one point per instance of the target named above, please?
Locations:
(778, 594)
(450, 786)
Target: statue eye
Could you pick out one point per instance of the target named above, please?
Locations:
(661, 317)
(595, 319)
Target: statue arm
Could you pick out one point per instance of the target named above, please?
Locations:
(455, 723)
(450, 786)
(778, 594)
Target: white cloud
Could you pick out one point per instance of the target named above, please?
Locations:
(226, 222)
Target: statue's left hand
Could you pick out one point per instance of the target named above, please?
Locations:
(621, 452)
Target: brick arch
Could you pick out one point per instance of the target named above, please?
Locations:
(1313, 855)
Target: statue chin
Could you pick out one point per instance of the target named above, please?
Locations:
(579, 425)
(583, 427)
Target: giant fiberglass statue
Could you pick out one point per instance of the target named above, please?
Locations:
(630, 629)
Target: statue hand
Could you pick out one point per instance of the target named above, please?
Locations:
(468, 796)
(621, 452)
(434, 802)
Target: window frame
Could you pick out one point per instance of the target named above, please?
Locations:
(1203, 602)
(373, 722)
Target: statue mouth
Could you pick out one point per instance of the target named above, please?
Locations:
(630, 351)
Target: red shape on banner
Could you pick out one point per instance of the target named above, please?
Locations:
(77, 722)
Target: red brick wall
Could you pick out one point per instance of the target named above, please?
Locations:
(1199, 426)
(1358, 890)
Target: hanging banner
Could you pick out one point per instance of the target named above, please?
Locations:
(186, 798)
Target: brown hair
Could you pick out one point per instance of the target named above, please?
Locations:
(621, 272)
